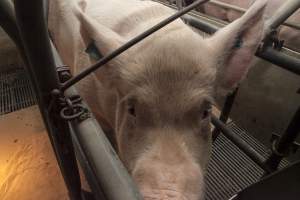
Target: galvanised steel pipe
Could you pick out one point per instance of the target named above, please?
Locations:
(41, 67)
(280, 59)
(103, 161)
(8, 21)
(9, 25)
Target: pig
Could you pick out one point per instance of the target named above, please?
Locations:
(156, 97)
(288, 34)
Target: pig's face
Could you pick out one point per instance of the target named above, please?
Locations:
(163, 129)
(166, 86)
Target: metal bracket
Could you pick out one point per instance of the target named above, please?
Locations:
(273, 40)
(64, 73)
(69, 108)
(274, 140)
(73, 109)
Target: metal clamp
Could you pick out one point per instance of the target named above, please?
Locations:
(272, 40)
(274, 140)
(64, 73)
(69, 108)
(73, 109)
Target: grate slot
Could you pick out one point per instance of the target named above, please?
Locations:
(15, 90)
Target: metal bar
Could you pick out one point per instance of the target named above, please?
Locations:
(285, 61)
(239, 142)
(242, 10)
(9, 25)
(129, 44)
(273, 56)
(8, 21)
(283, 145)
(105, 173)
(110, 173)
(225, 112)
(284, 12)
(34, 35)
(179, 4)
(227, 6)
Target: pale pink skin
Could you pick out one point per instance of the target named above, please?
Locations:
(155, 98)
(289, 35)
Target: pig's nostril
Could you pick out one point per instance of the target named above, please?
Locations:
(163, 194)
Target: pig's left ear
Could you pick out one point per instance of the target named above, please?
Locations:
(234, 46)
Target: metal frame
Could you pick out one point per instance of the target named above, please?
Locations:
(102, 168)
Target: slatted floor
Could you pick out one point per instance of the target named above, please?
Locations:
(15, 91)
(229, 171)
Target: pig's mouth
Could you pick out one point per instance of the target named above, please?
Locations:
(163, 194)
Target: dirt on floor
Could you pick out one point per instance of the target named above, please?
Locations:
(28, 168)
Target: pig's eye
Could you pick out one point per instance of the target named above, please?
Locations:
(131, 110)
(206, 113)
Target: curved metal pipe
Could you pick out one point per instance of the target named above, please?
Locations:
(8, 21)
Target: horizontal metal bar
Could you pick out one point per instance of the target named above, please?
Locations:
(239, 142)
(243, 10)
(129, 44)
(276, 57)
(227, 6)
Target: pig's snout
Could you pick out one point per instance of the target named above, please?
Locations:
(168, 177)
(163, 194)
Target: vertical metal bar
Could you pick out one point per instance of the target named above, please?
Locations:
(282, 147)
(179, 4)
(34, 35)
(8, 21)
(225, 112)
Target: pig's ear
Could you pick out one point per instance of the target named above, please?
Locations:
(105, 39)
(234, 46)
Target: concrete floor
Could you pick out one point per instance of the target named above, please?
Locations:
(266, 101)
(28, 168)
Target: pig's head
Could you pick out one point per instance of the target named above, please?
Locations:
(165, 88)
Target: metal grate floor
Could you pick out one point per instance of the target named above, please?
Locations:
(15, 91)
(230, 170)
